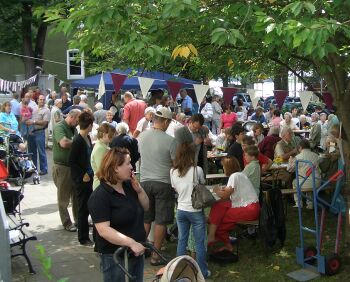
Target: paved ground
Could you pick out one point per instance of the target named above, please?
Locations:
(69, 259)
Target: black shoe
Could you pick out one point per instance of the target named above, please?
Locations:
(43, 172)
(87, 243)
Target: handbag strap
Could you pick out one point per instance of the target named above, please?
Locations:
(195, 175)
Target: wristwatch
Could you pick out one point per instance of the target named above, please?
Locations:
(33, 121)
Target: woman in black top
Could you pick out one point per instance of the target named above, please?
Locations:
(117, 207)
(82, 174)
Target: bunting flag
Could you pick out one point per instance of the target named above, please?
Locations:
(60, 83)
(328, 100)
(200, 90)
(228, 93)
(145, 85)
(8, 86)
(50, 76)
(280, 96)
(118, 80)
(305, 98)
(101, 88)
(174, 88)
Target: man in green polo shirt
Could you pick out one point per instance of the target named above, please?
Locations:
(62, 136)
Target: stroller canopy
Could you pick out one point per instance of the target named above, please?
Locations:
(182, 267)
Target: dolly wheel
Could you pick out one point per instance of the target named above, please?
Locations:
(333, 264)
(310, 252)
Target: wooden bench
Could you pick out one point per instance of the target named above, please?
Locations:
(19, 236)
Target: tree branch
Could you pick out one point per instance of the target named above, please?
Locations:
(278, 61)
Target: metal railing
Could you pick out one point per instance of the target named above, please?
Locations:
(5, 257)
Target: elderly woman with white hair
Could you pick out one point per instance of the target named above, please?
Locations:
(100, 113)
(304, 124)
(123, 140)
(145, 123)
(288, 122)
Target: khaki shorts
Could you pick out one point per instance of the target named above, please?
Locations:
(161, 202)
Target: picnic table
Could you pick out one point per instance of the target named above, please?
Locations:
(277, 172)
(216, 155)
(302, 131)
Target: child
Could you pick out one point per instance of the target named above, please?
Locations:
(26, 113)
(252, 169)
(109, 119)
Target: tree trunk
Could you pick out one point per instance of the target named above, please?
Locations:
(29, 65)
(281, 78)
(225, 81)
(40, 44)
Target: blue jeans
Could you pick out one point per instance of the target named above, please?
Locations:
(36, 145)
(112, 273)
(184, 221)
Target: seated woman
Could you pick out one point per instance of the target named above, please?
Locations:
(117, 208)
(257, 133)
(239, 203)
(8, 121)
(182, 178)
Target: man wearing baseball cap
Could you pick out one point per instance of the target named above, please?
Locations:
(157, 151)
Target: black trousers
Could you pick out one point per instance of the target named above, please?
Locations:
(83, 190)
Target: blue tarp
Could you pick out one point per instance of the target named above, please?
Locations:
(132, 82)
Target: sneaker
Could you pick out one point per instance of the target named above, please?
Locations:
(208, 273)
(43, 172)
(70, 228)
(87, 243)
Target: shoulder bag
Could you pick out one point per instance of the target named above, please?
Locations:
(201, 196)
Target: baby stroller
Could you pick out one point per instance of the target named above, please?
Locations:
(10, 197)
(182, 268)
(19, 164)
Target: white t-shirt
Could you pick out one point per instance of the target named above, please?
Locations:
(143, 125)
(172, 127)
(244, 193)
(184, 186)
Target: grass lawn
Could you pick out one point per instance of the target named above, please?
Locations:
(254, 265)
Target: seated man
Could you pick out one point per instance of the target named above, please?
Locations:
(305, 154)
(286, 147)
(315, 133)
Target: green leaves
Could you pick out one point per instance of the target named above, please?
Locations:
(296, 7)
(221, 36)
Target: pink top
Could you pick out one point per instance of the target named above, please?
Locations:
(275, 122)
(227, 120)
(134, 110)
(26, 113)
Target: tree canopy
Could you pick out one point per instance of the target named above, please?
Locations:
(22, 31)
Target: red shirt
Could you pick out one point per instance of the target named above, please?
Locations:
(134, 110)
(262, 159)
(227, 120)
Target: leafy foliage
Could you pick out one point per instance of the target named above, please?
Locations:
(253, 36)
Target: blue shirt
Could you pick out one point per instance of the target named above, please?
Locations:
(9, 121)
(16, 106)
(187, 103)
(260, 119)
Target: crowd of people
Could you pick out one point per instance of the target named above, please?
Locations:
(97, 153)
